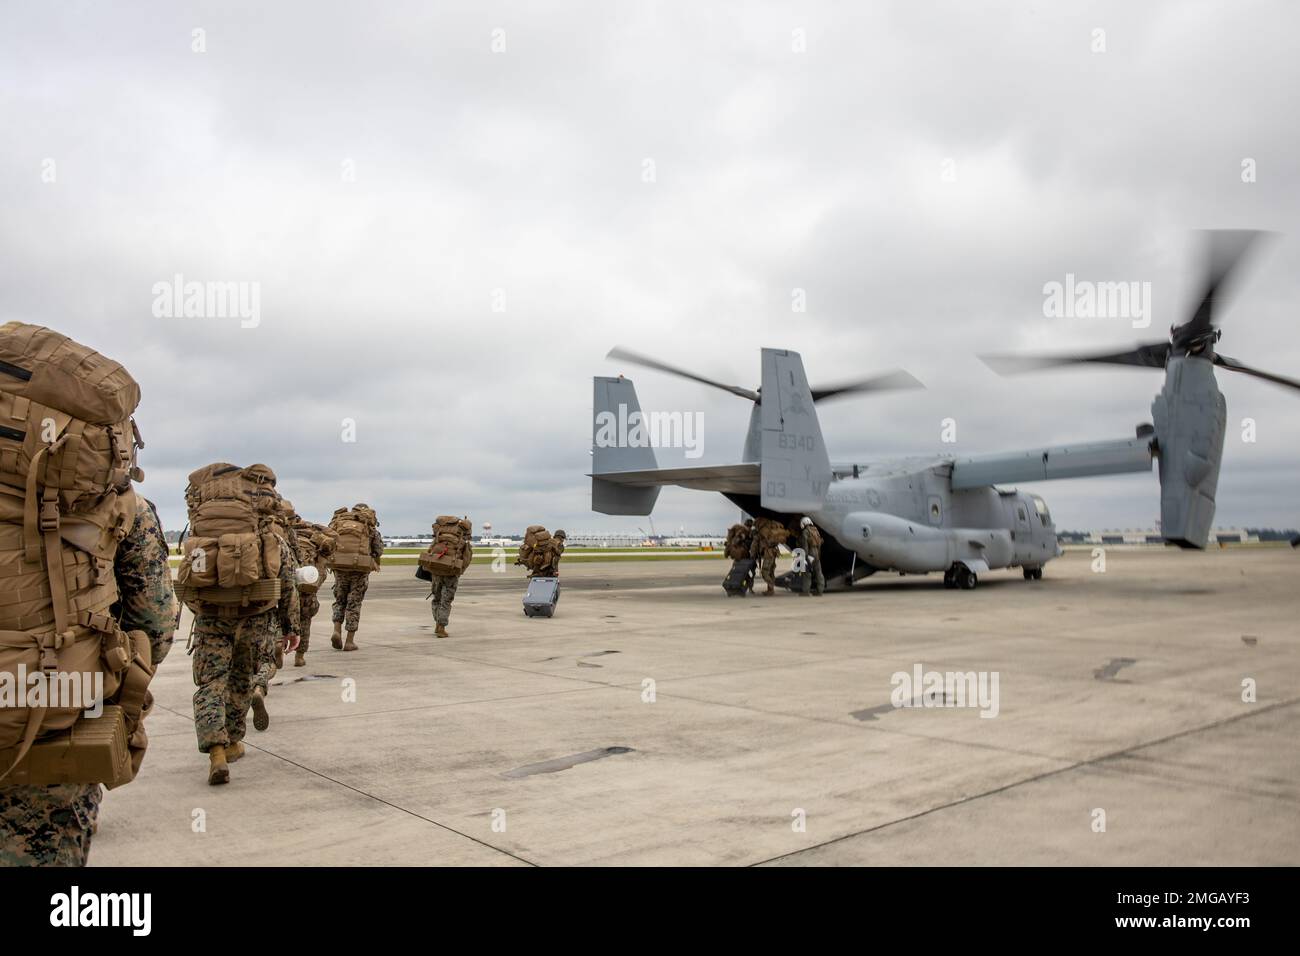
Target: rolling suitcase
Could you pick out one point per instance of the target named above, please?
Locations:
(740, 579)
(542, 596)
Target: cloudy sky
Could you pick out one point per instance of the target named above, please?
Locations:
(453, 211)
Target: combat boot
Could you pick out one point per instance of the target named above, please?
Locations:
(218, 771)
(300, 659)
(336, 641)
(261, 719)
(234, 751)
(771, 589)
(351, 644)
(440, 631)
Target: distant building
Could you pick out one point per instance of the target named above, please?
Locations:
(1150, 536)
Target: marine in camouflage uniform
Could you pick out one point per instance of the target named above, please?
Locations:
(349, 592)
(740, 538)
(764, 549)
(810, 540)
(225, 659)
(308, 601)
(549, 563)
(444, 591)
(53, 825)
(270, 651)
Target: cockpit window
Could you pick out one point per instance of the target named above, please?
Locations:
(1043, 514)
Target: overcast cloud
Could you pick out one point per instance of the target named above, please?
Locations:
(388, 178)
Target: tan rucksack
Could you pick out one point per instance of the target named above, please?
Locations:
(772, 532)
(445, 555)
(67, 459)
(737, 543)
(315, 546)
(352, 549)
(230, 561)
(546, 554)
(536, 538)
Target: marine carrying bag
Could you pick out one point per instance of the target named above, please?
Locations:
(315, 546)
(352, 549)
(772, 533)
(737, 543)
(445, 556)
(67, 458)
(230, 562)
(536, 538)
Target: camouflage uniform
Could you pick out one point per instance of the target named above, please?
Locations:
(225, 657)
(53, 825)
(308, 608)
(813, 558)
(308, 601)
(444, 588)
(266, 652)
(737, 547)
(764, 550)
(350, 587)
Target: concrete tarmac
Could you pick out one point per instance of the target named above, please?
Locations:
(655, 721)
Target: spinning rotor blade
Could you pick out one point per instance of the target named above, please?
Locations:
(1233, 365)
(1151, 355)
(644, 360)
(884, 382)
(1226, 250)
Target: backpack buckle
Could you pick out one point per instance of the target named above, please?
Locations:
(49, 519)
(49, 659)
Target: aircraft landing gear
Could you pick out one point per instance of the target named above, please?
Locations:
(960, 576)
(1033, 574)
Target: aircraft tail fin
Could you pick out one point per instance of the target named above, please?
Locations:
(614, 403)
(795, 467)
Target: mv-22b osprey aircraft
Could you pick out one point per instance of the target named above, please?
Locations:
(917, 516)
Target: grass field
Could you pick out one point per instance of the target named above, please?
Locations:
(400, 557)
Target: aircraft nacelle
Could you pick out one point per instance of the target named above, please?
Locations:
(1190, 417)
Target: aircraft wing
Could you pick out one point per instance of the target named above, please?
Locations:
(737, 479)
(1062, 461)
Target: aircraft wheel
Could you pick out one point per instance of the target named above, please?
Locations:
(1029, 574)
(950, 578)
(966, 578)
